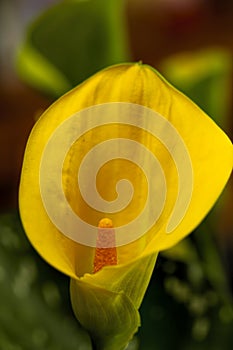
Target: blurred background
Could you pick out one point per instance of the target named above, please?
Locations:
(46, 48)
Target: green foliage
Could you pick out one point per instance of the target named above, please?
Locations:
(195, 276)
(182, 309)
(70, 42)
(107, 306)
(205, 77)
(35, 311)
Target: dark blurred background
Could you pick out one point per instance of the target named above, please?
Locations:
(157, 31)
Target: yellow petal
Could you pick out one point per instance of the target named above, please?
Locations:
(198, 172)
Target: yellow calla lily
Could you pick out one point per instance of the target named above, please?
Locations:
(125, 122)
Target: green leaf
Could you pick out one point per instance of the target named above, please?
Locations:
(211, 261)
(39, 72)
(35, 311)
(132, 278)
(111, 318)
(70, 42)
(106, 303)
(205, 77)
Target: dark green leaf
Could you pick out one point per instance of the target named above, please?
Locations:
(71, 41)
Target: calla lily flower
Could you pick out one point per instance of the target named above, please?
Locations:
(193, 161)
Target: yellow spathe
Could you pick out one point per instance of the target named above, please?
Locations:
(210, 153)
